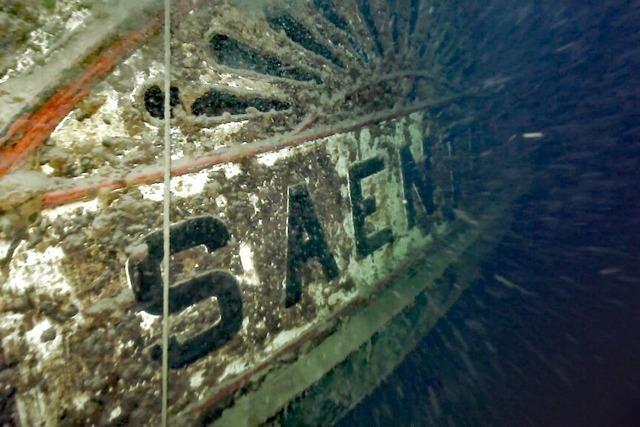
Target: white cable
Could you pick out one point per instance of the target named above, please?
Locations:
(166, 220)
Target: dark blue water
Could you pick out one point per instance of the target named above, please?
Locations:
(549, 335)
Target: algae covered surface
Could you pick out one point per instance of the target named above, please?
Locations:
(32, 28)
(384, 122)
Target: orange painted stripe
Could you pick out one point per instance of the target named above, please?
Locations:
(233, 154)
(32, 130)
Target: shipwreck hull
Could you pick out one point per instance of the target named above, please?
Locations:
(330, 201)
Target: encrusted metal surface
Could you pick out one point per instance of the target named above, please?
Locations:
(308, 146)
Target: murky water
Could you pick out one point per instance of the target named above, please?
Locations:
(549, 334)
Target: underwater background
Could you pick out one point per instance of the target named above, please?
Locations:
(549, 335)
